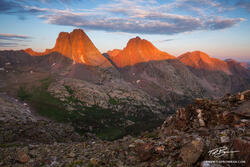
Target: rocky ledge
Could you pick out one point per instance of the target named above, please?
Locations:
(204, 132)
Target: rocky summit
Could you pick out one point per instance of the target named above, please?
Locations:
(137, 51)
(77, 46)
(207, 133)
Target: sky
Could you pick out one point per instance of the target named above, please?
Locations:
(221, 28)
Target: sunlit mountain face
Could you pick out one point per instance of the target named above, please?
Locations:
(218, 28)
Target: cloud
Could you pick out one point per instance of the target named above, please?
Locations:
(7, 6)
(13, 37)
(8, 44)
(18, 8)
(150, 23)
(165, 40)
(21, 7)
(216, 24)
(13, 40)
(244, 4)
(134, 16)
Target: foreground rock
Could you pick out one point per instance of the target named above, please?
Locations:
(191, 152)
(22, 157)
(222, 137)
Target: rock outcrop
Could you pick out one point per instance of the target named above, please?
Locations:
(118, 96)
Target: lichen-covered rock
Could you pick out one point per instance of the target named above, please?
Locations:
(191, 152)
(22, 157)
(243, 146)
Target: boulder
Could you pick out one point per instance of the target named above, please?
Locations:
(22, 157)
(243, 146)
(191, 152)
(145, 151)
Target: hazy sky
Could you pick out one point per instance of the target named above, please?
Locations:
(220, 28)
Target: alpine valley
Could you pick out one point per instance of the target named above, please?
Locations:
(74, 106)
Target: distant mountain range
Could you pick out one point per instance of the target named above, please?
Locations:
(136, 79)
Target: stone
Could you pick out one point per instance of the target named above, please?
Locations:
(139, 141)
(224, 139)
(94, 161)
(200, 118)
(241, 97)
(71, 155)
(131, 146)
(203, 131)
(191, 152)
(129, 123)
(160, 149)
(243, 110)
(198, 101)
(145, 151)
(22, 157)
(182, 113)
(202, 123)
(243, 146)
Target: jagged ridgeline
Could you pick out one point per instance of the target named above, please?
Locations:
(122, 92)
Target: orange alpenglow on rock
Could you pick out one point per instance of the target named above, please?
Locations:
(137, 51)
(201, 60)
(114, 52)
(76, 46)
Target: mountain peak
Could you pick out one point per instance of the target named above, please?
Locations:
(77, 46)
(201, 60)
(137, 38)
(137, 51)
(136, 41)
(78, 31)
